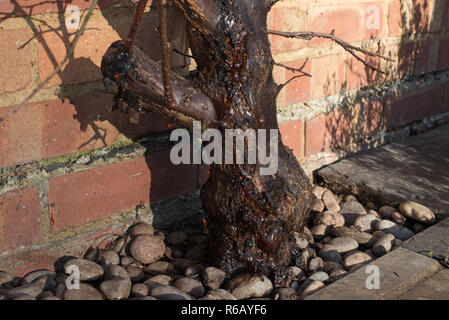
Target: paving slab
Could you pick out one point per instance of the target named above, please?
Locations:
(434, 288)
(435, 238)
(416, 169)
(399, 271)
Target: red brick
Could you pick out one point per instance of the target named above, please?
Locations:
(396, 12)
(421, 52)
(30, 7)
(298, 90)
(406, 59)
(293, 136)
(105, 191)
(100, 33)
(46, 256)
(374, 20)
(443, 54)
(46, 129)
(336, 129)
(19, 218)
(327, 76)
(347, 23)
(400, 111)
(15, 60)
(287, 19)
(359, 75)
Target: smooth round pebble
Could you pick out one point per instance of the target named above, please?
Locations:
(139, 290)
(158, 281)
(309, 287)
(140, 229)
(218, 294)
(356, 258)
(417, 211)
(213, 277)
(320, 276)
(190, 286)
(116, 289)
(147, 248)
(330, 201)
(366, 223)
(383, 245)
(107, 257)
(246, 286)
(320, 231)
(329, 218)
(330, 253)
(88, 270)
(318, 191)
(163, 292)
(85, 292)
(344, 244)
(398, 218)
(351, 211)
(136, 274)
(316, 264)
(386, 211)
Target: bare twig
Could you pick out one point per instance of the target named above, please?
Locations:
(168, 89)
(136, 22)
(309, 35)
(294, 69)
(58, 67)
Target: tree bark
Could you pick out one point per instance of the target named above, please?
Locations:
(250, 217)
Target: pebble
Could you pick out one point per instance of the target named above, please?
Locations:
(318, 191)
(417, 211)
(320, 231)
(191, 272)
(351, 211)
(114, 272)
(136, 274)
(157, 281)
(309, 287)
(160, 267)
(306, 231)
(107, 257)
(5, 278)
(330, 201)
(330, 266)
(213, 277)
(119, 244)
(362, 238)
(89, 270)
(337, 274)
(378, 234)
(127, 261)
(141, 229)
(356, 258)
(330, 253)
(286, 294)
(316, 264)
(139, 290)
(329, 218)
(246, 286)
(190, 286)
(366, 223)
(398, 218)
(165, 292)
(302, 259)
(116, 289)
(85, 292)
(398, 231)
(386, 212)
(32, 289)
(373, 213)
(318, 205)
(301, 242)
(371, 206)
(33, 275)
(349, 198)
(177, 238)
(383, 245)
(344, 244)
(147, 248)
(320, 276)
(295, 273)
(218, 294)
(144, 298)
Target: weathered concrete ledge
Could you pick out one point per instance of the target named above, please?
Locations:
(416, 169)
(399, 270)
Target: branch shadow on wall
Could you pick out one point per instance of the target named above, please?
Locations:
(365, 113)
(80, 80)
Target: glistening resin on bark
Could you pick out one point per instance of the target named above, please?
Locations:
(250, 217)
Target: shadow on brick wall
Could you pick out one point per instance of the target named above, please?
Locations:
(80, 80)
(349, 126)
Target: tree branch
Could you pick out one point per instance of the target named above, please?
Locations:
(136, 22)
(133, 71)
(308, 35)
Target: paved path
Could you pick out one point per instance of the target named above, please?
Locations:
(416, 169)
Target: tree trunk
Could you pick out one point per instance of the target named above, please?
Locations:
(250, 217)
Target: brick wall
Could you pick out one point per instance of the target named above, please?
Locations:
(72, 172)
